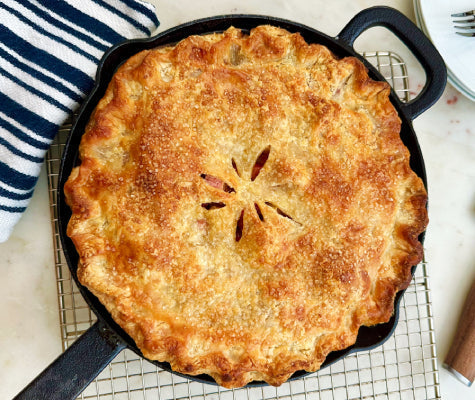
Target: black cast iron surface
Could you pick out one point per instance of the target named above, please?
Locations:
(83, 361)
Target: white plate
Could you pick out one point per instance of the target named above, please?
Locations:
(457, 51)
(433, 17)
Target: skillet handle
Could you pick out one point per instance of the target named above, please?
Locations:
(415, 40)
(67, 376)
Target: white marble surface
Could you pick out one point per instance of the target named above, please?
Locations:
(29, 332)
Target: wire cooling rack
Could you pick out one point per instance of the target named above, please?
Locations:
(405, 367)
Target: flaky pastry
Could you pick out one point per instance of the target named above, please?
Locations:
(244, 204)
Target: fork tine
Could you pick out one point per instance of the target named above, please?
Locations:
(464, 21)
(465, 26)
(464, 14)
(466, 34)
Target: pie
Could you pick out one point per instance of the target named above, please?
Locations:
(244, 203)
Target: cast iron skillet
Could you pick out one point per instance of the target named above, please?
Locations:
(69, 374)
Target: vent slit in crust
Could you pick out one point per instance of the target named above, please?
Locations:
(239, 226)
(260, 162)
(259, 212)
(280, 212)
(213, 205)
(217, 183)
(233, 162)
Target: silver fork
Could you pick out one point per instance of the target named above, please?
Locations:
(467, 19)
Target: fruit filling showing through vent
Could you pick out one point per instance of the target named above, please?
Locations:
(217, 183)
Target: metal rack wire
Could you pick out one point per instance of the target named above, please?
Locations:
(404, 368)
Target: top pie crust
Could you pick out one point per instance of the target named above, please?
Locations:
(244, 204)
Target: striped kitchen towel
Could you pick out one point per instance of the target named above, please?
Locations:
(49, 51)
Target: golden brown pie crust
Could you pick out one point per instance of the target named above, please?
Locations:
(244, 204)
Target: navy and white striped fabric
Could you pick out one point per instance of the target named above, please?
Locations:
(49, 51)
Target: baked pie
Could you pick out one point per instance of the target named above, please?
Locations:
(244, 204)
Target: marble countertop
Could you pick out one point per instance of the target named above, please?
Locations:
(29, 332)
